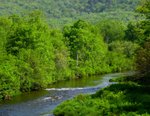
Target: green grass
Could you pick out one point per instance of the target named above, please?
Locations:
(126, 99)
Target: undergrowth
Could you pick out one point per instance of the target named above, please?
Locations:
(123, 99)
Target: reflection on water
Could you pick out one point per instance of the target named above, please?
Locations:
(43, 102)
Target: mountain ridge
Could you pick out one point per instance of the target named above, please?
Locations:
(71, 9)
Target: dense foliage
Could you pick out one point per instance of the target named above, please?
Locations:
(117, 99)
(33, 55)
(131, 96)
(60, 12)
(143, 53)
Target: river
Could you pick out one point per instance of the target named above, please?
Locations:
(43, 102)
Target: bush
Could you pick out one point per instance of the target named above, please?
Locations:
(127, 99)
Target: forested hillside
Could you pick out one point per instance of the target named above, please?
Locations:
(34, 55)
(60, 12)
(78, 38)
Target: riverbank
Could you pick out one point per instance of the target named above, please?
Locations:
(6, 97)
(124, 99)
(42, 102)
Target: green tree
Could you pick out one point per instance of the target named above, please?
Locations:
(144, 25)
(111, 30)
(9, 80)
(142, 54)
(143, 60)
(131, 33)
(61, 56)
(144, 8)
(121, 55)
(29, 40)
(86, 45)
(25, 33)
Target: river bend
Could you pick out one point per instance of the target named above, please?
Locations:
(43, 102)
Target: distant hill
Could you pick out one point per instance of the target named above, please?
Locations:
(60, 12)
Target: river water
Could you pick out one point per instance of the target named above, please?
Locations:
(43, 102)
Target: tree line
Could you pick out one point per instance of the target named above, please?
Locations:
(130, 97)
(33, 55)
(60, 13)
(58, 8)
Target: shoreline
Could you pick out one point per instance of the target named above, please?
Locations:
(125, 98)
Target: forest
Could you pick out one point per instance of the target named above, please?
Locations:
(64, 12)
(44, 42)
(34, 54)
(130, 96)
